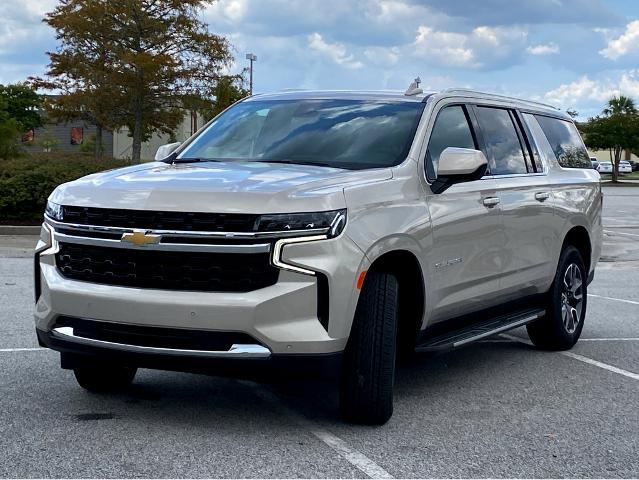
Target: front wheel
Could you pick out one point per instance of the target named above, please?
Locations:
(561, 327)
(103, 379)
(368, 370)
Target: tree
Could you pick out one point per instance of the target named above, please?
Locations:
(617, 129)
(19, 111)
(620, 105)
(22, 103)
(144, 57)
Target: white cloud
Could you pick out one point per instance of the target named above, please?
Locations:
(586, 90)
(481, 47)
(626, 43)
(543, 49)
(335, 51)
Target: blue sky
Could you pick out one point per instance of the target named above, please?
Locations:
(572, 53)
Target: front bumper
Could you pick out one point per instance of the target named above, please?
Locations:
(257, 365)
(282, 317)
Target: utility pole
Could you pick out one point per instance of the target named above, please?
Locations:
(251, 58)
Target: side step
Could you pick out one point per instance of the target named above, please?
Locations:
(478, 331)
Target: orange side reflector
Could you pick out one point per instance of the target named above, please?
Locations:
(360, 280)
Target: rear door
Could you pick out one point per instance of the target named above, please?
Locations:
(526, 201)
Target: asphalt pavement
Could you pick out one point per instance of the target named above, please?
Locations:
(498, 408)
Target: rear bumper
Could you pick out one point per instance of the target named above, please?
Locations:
(251, 363)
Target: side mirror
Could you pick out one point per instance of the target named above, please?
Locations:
(457, 165)
(166, 150)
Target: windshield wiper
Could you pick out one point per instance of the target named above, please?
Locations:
(192, 160)
(298, 162)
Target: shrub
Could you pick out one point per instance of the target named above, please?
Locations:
(26, 183)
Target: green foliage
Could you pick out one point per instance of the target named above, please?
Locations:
(22, 103)
(25, 183)
(89, 146)
(19, 111)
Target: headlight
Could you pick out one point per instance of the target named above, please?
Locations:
(54, 211)
(332, 221)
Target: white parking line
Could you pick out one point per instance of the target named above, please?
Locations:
(38, 349)
(618, 339)
(632, 302)
(352, 456)
(621, 234)
(581, 358)
(605, 366)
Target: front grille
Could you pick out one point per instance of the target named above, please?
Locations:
(152, 220)
(157, 337)
(210, 272)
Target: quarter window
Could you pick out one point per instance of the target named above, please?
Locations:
(565, 142)
(451, 129)
(503, 148)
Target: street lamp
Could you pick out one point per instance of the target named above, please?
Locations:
(251, 58)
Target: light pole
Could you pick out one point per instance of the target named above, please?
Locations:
(251, 58)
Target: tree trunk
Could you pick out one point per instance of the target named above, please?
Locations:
(98, 142)
(136, 148)
(615, 165)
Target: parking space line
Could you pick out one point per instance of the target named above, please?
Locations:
(605, 366)
(619, 339)
(37, 349)
(632, 302)
(581, 358)
(352, 456)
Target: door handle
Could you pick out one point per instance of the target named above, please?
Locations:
(541, 196)
(491, 201)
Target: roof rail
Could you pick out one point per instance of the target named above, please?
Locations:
(495, 95)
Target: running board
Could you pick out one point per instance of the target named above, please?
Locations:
(481, 330)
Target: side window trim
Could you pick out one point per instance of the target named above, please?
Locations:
(472, 125)
(522, 142)
(528, 148)
(531, 145)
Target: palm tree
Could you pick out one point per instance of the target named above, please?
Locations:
(620, 105)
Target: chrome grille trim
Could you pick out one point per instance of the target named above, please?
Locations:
(166, 247)
(188, 234)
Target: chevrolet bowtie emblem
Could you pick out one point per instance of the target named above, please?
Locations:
(140, 238)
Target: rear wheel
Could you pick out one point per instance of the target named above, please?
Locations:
(561, 327)
(104, 378)
(368, 370)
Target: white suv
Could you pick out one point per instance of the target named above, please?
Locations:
(332, 232)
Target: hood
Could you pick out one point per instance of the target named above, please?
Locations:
(222, 187)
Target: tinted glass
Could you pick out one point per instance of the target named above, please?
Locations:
(504, 152)
(451, 129)
(339, 133)
(565, 142)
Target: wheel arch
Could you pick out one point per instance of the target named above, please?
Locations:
(579, 238)
(406, 268)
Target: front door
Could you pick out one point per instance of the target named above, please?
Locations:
(464, 263)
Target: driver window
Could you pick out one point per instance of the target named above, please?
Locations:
(451, 129)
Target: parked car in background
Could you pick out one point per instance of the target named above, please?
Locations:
(625, 167)
(634, 165)
(604, 167)
(594, 162)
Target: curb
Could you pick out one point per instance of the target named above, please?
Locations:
(19, 230)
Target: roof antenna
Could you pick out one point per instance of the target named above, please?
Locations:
(413, 88)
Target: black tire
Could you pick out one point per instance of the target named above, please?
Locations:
(103, 379)
(561, 327)
(368, 370)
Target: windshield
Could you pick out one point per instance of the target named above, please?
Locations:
(351, 134)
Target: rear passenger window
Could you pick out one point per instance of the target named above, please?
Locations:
(451, 129)
(503, 148)
(565, 142)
